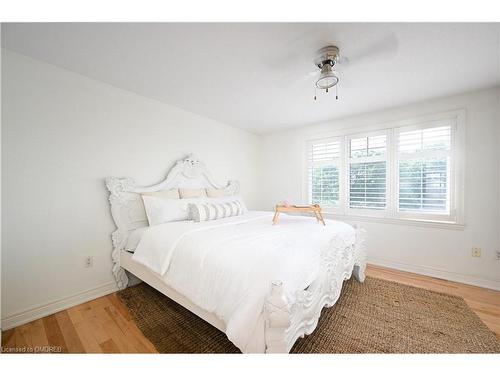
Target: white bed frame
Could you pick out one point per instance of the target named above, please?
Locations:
(285, 321)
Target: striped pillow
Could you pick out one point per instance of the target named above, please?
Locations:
(216, 210)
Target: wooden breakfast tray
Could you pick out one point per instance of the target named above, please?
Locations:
(314, 208)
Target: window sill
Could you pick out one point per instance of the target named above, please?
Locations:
(397, 221)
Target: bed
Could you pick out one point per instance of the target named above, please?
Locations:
(262, 285)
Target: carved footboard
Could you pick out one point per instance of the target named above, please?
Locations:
(286, 321)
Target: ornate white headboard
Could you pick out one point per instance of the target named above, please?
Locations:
(127, 207)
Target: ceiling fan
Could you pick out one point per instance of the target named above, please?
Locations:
(329, 61)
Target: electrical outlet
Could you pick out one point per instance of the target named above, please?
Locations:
(89, 261)
(476, 252)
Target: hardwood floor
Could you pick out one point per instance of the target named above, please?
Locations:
(104, 325)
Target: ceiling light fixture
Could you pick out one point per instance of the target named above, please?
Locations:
(327, 79)
(326, 59)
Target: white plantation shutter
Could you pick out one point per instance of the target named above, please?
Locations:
(367, 172)
(404, 172)
(323, 161)
(424, 167)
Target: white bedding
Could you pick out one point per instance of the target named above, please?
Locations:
(226, 266)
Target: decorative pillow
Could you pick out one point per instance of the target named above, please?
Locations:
(216, 193)
(230, 198)
(164, 210)
(170, 194)
(216, 209)
(192, 193)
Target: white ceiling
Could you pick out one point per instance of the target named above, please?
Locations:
(251, 75)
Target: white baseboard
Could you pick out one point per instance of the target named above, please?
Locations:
(438, 273)
(58, 305)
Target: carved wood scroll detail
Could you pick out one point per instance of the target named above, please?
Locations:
(286, 321)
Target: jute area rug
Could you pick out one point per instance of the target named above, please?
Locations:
(377, 316)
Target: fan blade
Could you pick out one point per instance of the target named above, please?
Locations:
(343, 60)
(386, 46)
(306, 77)
(304, 46)
(312, 74)
(285, 82)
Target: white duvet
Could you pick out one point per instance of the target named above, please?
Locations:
(226, 266)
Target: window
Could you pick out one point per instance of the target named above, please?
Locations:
(410, 172)
(424, 170)
(323, 172)
(367, 172)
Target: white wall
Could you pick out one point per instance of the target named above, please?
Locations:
(439, 252)
(62, 134)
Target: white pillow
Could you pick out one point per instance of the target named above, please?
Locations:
(163, 210)
(192, 193)
(172, 194)
(216, 193)
(213, 209)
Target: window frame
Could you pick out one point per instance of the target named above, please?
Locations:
(451, 217)
(391, 214)
(338, 163)
(347, 166)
